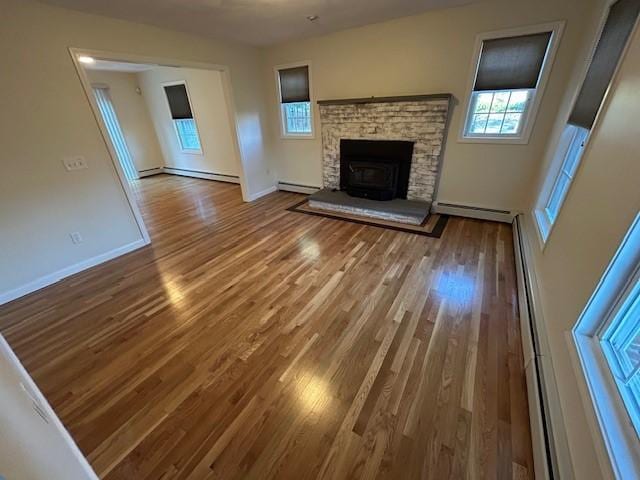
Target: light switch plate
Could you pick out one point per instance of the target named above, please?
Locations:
(76, 162)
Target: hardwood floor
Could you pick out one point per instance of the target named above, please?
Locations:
(252, 342)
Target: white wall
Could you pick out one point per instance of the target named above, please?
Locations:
(600, 206)
(46, 116)
(210, 111)
(431, 53)
(133, 115)
(30, 447)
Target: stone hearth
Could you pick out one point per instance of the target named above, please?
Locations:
(412, 212)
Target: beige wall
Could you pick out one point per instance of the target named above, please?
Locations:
(431, 53)
(46, 116)
(133, 116)
(30, 448)
(210, 111)
(600, 206)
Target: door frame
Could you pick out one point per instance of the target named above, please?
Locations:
(76, 52)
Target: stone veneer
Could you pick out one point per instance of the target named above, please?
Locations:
(420, 120)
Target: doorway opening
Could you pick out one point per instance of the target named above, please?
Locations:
(162, 117)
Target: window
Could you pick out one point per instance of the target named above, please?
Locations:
(297, 117)
(187, 133)
(607, 339)
(575, 139)
(621, 347)
(103, 99)
(498, 112)
(509, 72)
(295, 101)
(182, 116)
(610, 46)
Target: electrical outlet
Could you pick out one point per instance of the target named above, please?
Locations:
(76, 162)
(76, 237)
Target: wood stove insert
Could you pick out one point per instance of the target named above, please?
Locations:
(375, 169)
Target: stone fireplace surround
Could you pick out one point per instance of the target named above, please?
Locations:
(422, 119)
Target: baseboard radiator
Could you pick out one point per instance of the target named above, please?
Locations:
(297, 188)
(538, 387)
(220, 177)
(472, 211)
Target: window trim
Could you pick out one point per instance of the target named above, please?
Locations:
(543, 226)
(609, 421)
(544, 222)
(283, 132)
(531, 112)
(188, 151)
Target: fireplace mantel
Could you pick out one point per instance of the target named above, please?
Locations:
(403, 98)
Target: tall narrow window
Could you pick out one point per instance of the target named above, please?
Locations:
(295, 101)
(613, 39)
(183, 121)
(115, 132)
(508, 78)
(607, 337)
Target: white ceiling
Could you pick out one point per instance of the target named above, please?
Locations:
(256, 22)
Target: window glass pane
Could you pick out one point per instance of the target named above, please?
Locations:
(497, 113)
(297, 117)
(479, 123)
(518, 101)
(623, 335)
(632, 349)
(511, 122)
(632, 401)
(494, 123)
(557, 195)
(575, 138)
(483, 102)
(572, 160)
(621, 348)
(500, 102)
(187, 134)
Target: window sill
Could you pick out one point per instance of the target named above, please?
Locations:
(495, 140)
(301, 136)
(191, 152)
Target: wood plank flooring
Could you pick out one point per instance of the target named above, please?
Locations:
(249, 342)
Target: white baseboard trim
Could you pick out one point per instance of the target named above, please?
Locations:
(471, 211)
(149, 172)
(220, 177)
(297, 188)
(54, 277)
(257, 195)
